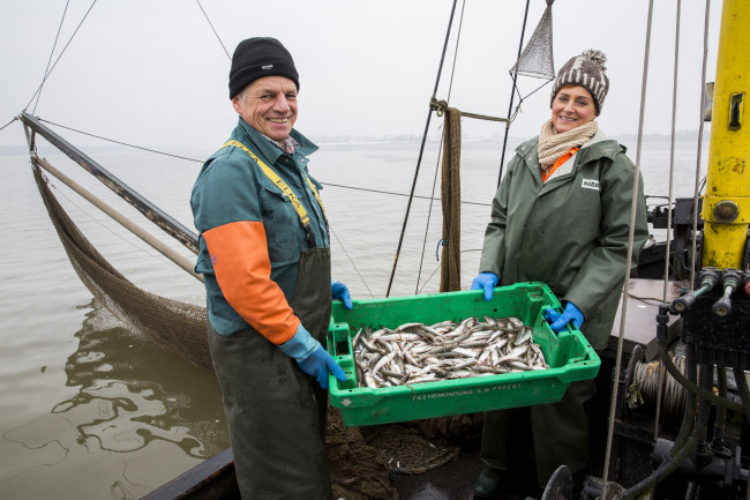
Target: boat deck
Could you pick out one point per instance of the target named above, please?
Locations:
(214, 478)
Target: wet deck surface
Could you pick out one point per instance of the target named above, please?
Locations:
(455, 481)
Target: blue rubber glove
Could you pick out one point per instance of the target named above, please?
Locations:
(318, 364)
(340, 291)
(558, 321)
(485, 281)
(311, 357)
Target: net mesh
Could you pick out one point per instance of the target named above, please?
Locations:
(536, 58)
(178, 325)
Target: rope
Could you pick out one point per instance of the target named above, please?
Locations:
(699, 153)
(214, 29)
(39, 89)
(671, 149)
(649, 382)
(134, 146)
(49, 61)
(441, 107)
(392, 193)
(6, 125)
(440, 149)
(626, 292)
(450, 275)
(429, 218)
(513, 92)
(523, 98)
(421, 152)
(662, 373)
(351, 261)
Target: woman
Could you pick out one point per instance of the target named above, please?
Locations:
(561, 216)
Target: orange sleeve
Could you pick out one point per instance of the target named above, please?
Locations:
(239, 254)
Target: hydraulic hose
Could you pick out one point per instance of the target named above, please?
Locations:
(731, 279)
(690, 386)
(688, 418)
(669, 466)
(739, 377)
(665, 469)
(704, 410)
(709, 277)
(720, 425)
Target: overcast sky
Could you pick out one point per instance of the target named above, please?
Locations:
(152, 72)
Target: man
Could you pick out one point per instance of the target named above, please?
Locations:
(266, 264)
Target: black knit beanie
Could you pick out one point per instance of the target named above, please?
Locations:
(258, 57)
(588, 71)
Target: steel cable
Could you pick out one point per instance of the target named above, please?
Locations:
(7, 124)
(699, 153)
(115, 141)
(440, 148)
(667, 260)
(656, 388)
(213, 29)
(512, 94)
(195, 160)
(39, 89)
(624, 302)
(52, 52)
(421, 151)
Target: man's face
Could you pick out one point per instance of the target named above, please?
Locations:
(269, 106)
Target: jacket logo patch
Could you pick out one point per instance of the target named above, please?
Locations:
(590, 184)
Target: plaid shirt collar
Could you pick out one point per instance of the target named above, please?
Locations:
(287, 145)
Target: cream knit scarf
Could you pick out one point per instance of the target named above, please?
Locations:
(553, 145)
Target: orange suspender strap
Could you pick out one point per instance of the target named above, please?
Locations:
(546, 174)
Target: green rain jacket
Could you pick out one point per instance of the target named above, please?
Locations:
(570, 232)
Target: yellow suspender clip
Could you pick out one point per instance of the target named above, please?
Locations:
(283, 186)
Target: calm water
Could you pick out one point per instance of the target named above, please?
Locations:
(91, 409)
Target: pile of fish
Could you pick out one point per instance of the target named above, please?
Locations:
(414, 353)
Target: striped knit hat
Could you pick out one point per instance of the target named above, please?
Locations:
(588, 71)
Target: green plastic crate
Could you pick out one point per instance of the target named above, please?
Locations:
(569, 355)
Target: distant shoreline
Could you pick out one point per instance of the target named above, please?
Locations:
(680, 136)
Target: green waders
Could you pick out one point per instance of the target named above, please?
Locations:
(275, 412)
(559, 435)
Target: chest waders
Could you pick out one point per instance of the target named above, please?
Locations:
(275, 412)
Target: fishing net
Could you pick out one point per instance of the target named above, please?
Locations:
(178, 325)
(360, 467)
(536, 58)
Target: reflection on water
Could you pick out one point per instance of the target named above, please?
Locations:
(131, 393)
(140, 416)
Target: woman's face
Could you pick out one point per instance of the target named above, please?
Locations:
(572, 107)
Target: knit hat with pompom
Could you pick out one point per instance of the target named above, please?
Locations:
(588, 71)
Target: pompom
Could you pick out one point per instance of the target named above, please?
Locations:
(597, 56)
